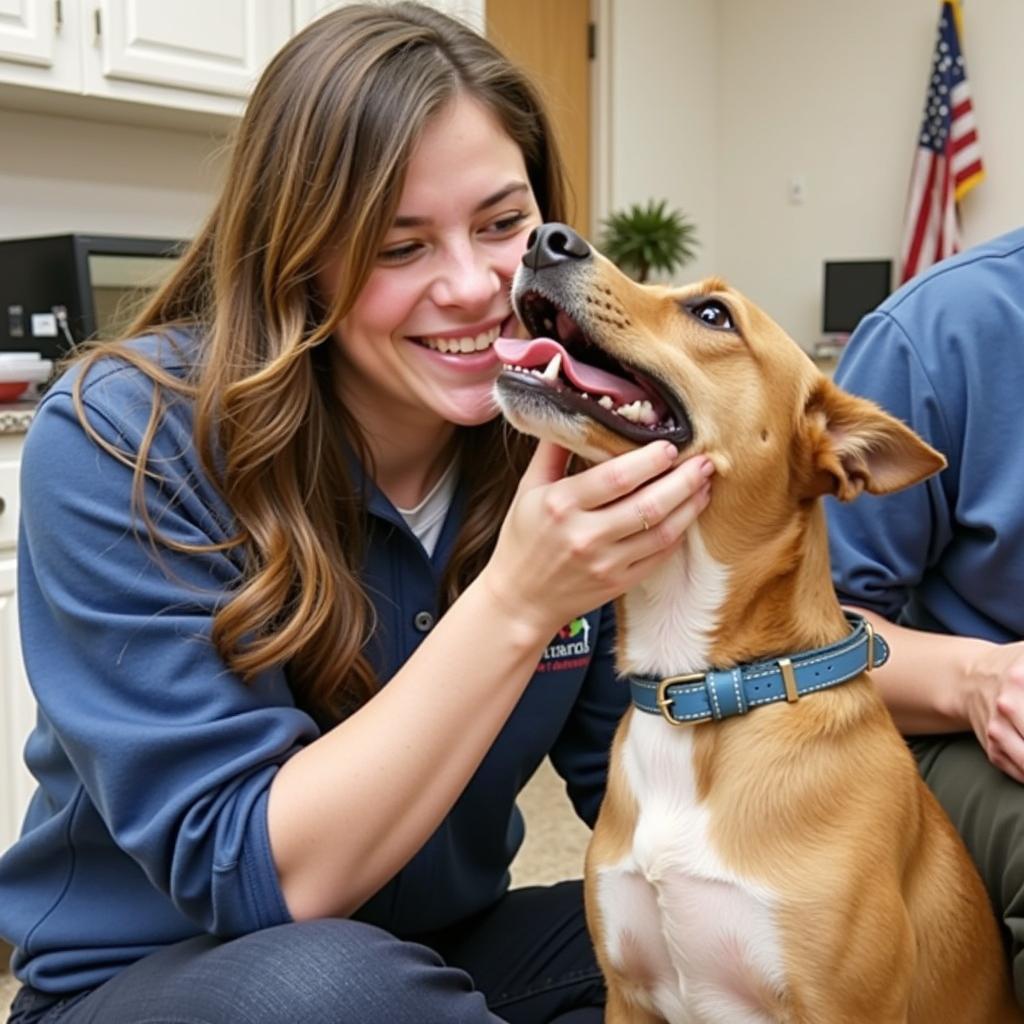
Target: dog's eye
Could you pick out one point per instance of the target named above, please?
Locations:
(714, 314)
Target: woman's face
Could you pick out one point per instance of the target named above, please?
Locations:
(417, 343)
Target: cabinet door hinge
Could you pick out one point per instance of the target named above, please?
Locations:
(58, 15)
(592, 41)
(97, 22)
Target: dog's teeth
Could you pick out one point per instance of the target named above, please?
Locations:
(638, 412)
(646, 414)
(630, 412)
(584, 394)
(605, 401)
(551, 370)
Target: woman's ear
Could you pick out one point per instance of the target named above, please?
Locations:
(855, 446)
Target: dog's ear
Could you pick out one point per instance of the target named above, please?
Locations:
(855, 446)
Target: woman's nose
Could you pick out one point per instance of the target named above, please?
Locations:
(469, 278)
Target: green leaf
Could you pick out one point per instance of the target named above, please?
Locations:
(648, 237)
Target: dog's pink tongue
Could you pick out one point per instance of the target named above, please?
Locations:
(536, 353)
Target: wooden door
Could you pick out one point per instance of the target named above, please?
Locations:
(550, 40)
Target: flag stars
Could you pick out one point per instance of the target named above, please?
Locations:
(930, 232)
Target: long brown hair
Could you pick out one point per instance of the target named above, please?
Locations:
(317, 167)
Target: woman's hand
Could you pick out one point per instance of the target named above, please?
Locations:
(569, 544)
(994, 705)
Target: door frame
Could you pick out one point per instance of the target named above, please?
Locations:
(601, 127)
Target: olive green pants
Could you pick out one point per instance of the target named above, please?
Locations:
(987, 808)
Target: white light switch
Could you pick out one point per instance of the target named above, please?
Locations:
(44, 325)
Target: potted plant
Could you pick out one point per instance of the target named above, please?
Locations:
(648, 238)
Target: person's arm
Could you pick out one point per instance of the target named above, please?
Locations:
(881, 549)
(937, 683)
(925, 679)
(348, 811)
(170, 748)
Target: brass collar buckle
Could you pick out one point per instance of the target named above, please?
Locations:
(664, 701)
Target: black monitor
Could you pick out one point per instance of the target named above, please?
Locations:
(852, 289)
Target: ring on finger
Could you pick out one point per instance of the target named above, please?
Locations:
(643, 519)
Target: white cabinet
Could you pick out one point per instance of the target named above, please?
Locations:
(17, 708)
(202, 56)
(149, 60)
(307, 10)
(470, 11)
(39, 44)
(190, 53)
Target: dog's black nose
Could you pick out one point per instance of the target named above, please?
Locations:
(554, 243)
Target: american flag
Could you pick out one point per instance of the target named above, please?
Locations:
(948, 161)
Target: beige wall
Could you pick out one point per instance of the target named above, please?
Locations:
(752, 93)
(61, 174)
(664, 127)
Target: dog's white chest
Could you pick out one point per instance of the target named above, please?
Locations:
(700, 940)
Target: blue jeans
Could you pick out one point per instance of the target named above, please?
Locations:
(527, 960)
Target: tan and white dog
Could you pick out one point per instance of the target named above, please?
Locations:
(784, 863)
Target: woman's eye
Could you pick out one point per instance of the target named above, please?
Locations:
(399, 253)
(714, 314)
(513, 220)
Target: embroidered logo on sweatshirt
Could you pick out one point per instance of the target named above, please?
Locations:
(569, 649)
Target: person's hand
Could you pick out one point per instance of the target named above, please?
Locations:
(569, 544)
(994, 704)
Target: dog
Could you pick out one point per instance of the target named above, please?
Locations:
(766, 850)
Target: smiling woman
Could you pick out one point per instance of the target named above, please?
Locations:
(292, 592)
(416, 356)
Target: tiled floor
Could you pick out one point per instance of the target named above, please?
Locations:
(555, 842)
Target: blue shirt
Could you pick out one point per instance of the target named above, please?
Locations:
(945, 353)
(154, 761)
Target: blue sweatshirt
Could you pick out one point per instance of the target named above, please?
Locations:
(945, 354)
(154, 761)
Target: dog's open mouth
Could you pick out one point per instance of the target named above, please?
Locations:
(576, 374)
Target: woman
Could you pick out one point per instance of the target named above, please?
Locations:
(289, 489)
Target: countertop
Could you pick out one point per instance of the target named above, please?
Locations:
(16, 416)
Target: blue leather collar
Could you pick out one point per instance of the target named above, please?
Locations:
(721, 693)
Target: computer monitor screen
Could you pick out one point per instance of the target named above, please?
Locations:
(852, 289)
